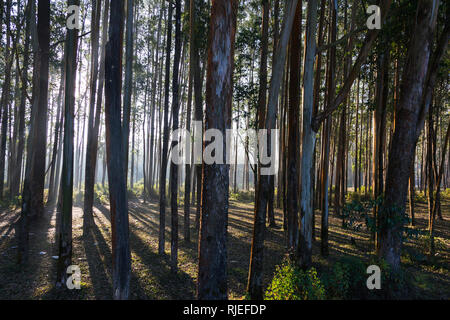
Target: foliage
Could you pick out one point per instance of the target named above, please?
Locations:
(425, 243)
(346, 279)
(358, 196)
(78, 196)
(393, 218)
(446, 194)
(137, 190)
(101, 194)
(292, 283)
(420, 197)
(243, 196)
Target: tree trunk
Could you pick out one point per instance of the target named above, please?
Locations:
(326, 132)
(174, 167)
(255, 285)
(438, 188)
(40, 135)
(163, 167)
(5, 97)
(379, 130)
(65, 221)
(308, 140)
(293, 132)
(17, 170)
(128, 85)
(33, 189)
(412, 191)
(212, 269)
(404, 138)
(91, 153)
(198, 99)
(114, 149)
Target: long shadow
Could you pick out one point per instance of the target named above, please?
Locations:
(157, 281)
(166, 285)
(5, 234)
(22, 281)
(98, 256)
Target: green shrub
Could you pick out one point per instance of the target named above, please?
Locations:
(292, 283)
(345, 279)
(243, 196)
(138, 189)
(101, 194)
(420, 197)
(425, 243)
(446, 194)
(363, 190)
(78, 197)
(357, 196)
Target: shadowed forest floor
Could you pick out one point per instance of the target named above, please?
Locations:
(151, 277)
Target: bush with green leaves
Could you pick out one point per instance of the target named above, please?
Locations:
(360, 196)
(446, 194)
(420, 197)
(292, 283)
(358, 214)
(346, 279)
(243, 196)
(425, 243)
(101, 194)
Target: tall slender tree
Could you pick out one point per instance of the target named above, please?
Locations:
(65, 228)
(175, 114)
(33, 189)
(114, 149)
(308, 139)
(408, 123)
(293, 132)
(91, 154)
(128, 86)
(255, 286)
(212, 268)
(165, 142)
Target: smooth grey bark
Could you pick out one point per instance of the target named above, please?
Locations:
(308, 140)
(128, 86)
(91, 153)
(65, 221)
(254, 287)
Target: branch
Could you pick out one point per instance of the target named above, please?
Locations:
(364, 52)
(337, 42)
(64, 40)
(432, 75)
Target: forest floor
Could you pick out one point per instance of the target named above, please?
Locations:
(151, 277)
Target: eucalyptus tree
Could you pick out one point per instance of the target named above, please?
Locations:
(121, 266)
(212, 268)
(65, 247)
